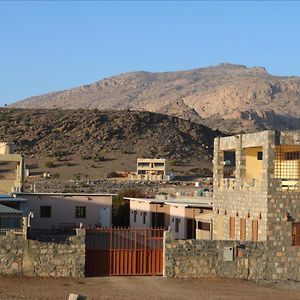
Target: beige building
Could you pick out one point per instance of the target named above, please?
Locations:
(177, 214)
(67, 210)
(260, 201)
(152, 169)
(12, 180)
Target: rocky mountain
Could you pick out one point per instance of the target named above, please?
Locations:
(229, 97)
(46, 133)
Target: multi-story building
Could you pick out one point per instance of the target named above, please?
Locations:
(153, 169)
(261, 200)
(12, 174)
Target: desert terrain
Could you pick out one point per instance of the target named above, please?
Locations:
(147, 288)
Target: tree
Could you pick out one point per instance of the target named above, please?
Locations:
(121, 207)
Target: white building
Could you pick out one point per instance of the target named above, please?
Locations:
(68, 210)
(177, 214)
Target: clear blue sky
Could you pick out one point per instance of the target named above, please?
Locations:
(49, 46)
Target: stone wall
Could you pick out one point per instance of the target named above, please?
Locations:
(11, 254)
(247, 205)
(271, 260)
(54, 257)
(283, 209)
(199, 258)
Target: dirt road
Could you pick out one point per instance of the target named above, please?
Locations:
(145, 288)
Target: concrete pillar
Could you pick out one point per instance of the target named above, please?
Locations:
(240, 162)
(268, 163)
(218, 163)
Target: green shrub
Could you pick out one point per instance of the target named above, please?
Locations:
(97, 158)
(121, 207)
(49, 164)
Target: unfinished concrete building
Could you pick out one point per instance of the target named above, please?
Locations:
(261, 197)
(259, 200)
(153, 169)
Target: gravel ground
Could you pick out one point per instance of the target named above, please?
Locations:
(145, 288)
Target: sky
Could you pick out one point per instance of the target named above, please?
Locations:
(48, 46)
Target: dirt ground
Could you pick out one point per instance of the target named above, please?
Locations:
(145, 288)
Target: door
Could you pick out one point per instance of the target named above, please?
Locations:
(158, 219)
(105, 214)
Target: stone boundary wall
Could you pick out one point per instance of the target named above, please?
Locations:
(11, 254)
(52, 258)
(204, 258)
(252, 260)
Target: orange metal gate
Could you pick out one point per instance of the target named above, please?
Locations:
(124, 251)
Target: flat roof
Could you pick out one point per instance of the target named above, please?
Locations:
(187, 204)
(149, 200)
(8, 198)
(64, 194)
(5, 210)
(174, 201)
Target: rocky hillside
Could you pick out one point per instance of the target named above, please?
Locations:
(229, 97)
(44, 133)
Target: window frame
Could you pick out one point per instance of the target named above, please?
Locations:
(177, 222)
(78, 214)
(254, 231)
(232, 228)
(45, 214)
(260, 155)
(243, 229)
(295, 233)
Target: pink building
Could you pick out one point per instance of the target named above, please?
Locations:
(68, 210)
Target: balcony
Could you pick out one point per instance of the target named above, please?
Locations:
(246, 184)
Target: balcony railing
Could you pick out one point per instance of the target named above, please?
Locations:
(290, 185)
(249, 184)
(7, 231)
(254, 184)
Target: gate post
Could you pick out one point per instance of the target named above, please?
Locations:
(168, 261)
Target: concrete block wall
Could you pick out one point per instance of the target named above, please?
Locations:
(283, 209)
(241, 204)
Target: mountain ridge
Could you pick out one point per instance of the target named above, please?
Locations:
(232, 98)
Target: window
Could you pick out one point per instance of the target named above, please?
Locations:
(156, 165)
(292, 155)
(45, 211)
(232, 228)
(203, 226)
(144, 217)
(143, 164)
(242, 229)
(254, 230)
(134, 215)
(296, 233)
(80, 212)
(259, 155)
(177, 221)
